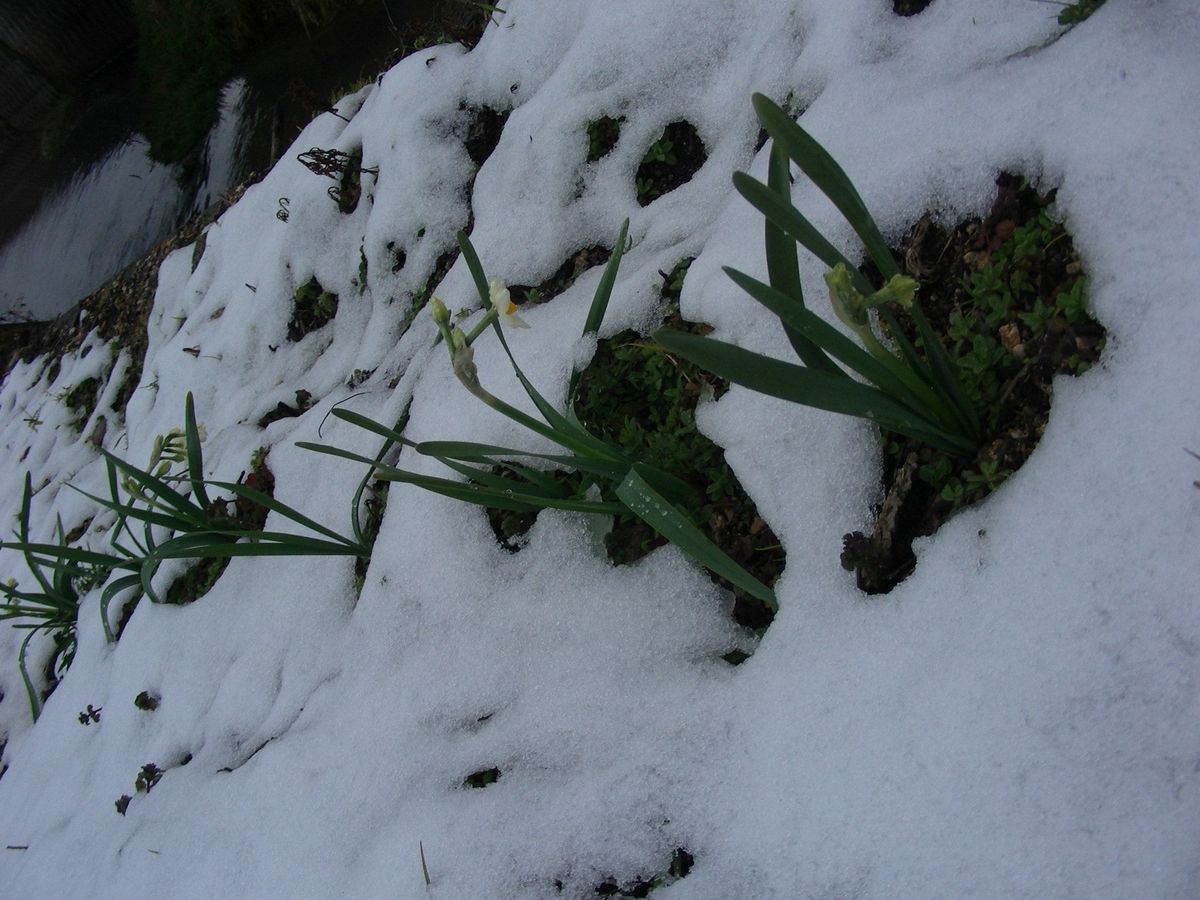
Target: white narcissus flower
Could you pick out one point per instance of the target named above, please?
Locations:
(502, 303)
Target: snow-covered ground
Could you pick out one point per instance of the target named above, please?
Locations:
(1020, 718)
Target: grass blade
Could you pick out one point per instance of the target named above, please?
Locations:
(23, 533)
(513, 500)
(476, 269)
(195, 456)
(269, 502)
(111, 590)
(793, 223)
(805, 386)
(828, 176)
(35, 702)
(665, 518)
(158, 489)
(783, 266)
(898, 381)
(471, 452)
(600, 299)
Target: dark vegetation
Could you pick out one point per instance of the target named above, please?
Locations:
(670, 162)
(81, 400)
(237, 513)
(313, 307)
(679, 867)
(187, 49)
(603, 134)
(1007, 295)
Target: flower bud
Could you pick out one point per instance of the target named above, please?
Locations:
(438, 310)
(847, 302)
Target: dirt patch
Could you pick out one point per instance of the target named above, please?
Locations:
(565, 276)
(670, 162)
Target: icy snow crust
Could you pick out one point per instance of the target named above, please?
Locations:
(1018, 719)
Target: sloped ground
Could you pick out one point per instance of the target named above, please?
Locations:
(1017, 718)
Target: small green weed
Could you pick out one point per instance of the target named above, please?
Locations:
(669, 162)
(603, 134)
(312, 308)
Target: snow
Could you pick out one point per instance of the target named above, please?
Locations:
(59, 257)
(1019, 718)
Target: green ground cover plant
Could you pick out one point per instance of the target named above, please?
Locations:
(669, 162)
(603, 133)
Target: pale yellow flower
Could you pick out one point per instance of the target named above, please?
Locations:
(502, 303)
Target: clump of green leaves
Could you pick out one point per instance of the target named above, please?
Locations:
(52, 605)
(162, 512)
(644, 400)
(312, 307)
(637, 488)
(910, 392)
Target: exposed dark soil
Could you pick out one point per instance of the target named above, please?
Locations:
(909, 7)
(313, 308)
(566, 274)
(670, 162)
(1005, 293)
(484, 127)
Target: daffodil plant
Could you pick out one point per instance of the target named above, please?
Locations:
(611, 482)
(175, 518)
(910, 392)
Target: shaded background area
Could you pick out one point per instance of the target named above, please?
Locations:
(220, 87)
(66, 94)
